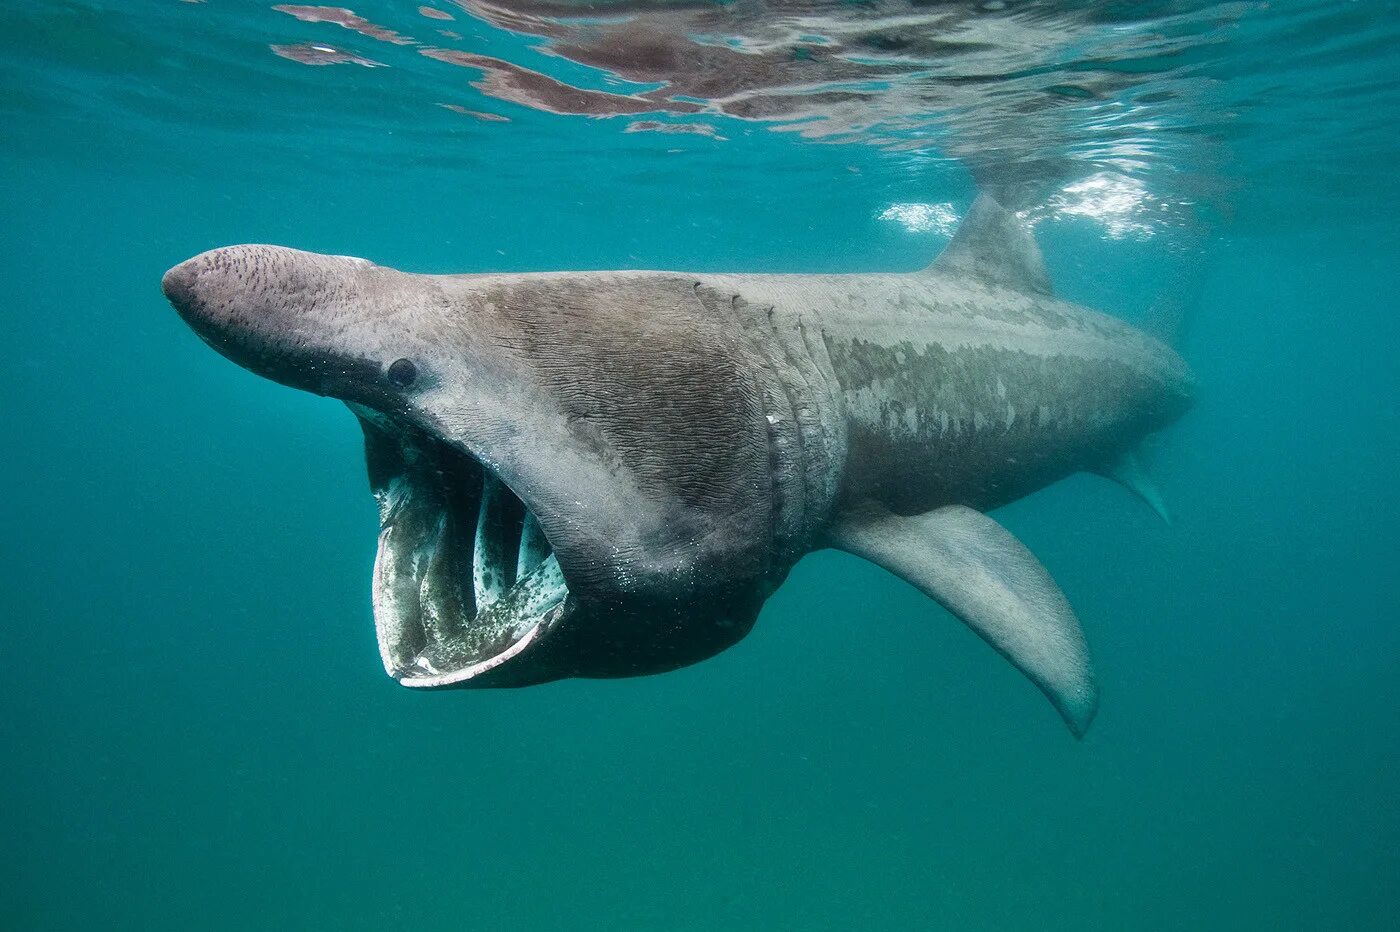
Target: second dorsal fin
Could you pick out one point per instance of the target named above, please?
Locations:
(996, 246)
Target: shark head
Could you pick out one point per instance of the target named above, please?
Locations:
(556, 499)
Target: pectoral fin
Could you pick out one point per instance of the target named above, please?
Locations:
(977, 570)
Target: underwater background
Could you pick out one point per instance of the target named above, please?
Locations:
(195, 726)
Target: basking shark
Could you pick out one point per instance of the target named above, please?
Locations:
(606, 474)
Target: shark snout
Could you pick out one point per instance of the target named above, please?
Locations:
(282, 313)
(224, 291)
(256, 286)
(178, 284)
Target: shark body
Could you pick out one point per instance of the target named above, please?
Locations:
(607, 473)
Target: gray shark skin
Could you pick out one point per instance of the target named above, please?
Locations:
(605, 474)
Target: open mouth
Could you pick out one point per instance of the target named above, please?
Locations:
(464, 578)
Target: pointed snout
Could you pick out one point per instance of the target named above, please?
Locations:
(223, 290)
(257, 287)
(279, 312)
(178, 284)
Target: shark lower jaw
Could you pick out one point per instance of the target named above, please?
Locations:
(466, 585)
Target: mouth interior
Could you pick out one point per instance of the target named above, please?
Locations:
(464, 578)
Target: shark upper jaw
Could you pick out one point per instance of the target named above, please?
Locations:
(466, 585)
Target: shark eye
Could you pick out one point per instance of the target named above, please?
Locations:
(402, 373)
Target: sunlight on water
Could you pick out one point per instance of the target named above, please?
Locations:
(1121, 205)
(923, 218)
(1178, 97)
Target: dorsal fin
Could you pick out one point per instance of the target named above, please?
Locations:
(995, 245)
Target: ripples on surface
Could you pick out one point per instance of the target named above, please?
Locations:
(1132, 114)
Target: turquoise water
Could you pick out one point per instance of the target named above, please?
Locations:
(197, 731)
